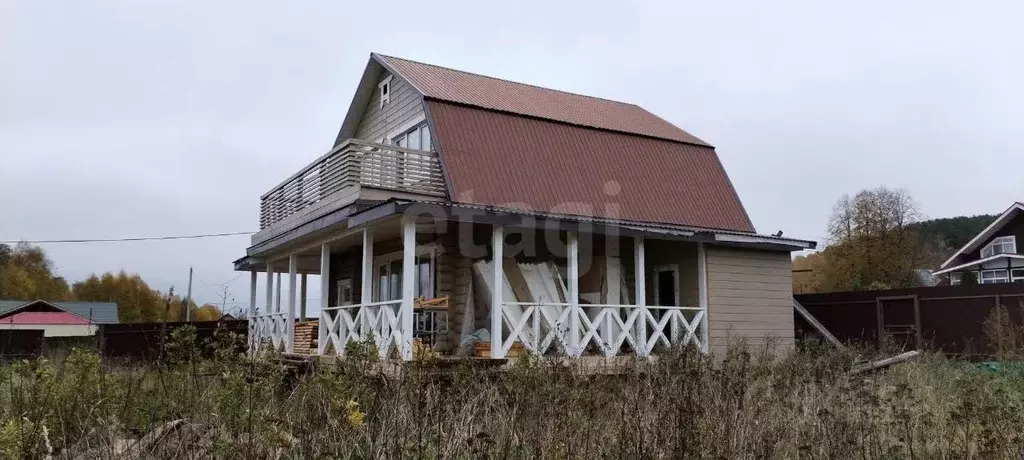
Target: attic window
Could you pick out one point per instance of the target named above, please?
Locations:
(1000, 245)
(385, 91)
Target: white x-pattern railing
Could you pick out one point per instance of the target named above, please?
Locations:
(681, 330)
(538, 326)
(268, 327)
(380, 321)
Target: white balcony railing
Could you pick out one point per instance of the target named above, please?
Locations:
(354, 163)
(539, 326)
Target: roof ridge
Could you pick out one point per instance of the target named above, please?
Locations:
(514, 82)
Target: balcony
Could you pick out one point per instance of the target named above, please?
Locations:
(345, 173)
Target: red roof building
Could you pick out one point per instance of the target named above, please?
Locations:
(617, 232)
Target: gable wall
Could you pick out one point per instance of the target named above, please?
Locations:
(1014, 227)
(405, 106)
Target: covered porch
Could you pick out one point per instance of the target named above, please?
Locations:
(433, 284)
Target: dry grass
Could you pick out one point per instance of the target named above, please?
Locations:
(684, 405)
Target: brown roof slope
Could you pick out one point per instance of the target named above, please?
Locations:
(499, 159)
(507, 96)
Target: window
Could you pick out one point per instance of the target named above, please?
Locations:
(955, 278)
(385, 91)
(425, 276)
(345, 294)
(993, 276)
(389, 275)
(1017, 274)
(1000, 245)
(417, 138)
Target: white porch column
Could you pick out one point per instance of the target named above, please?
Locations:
(366, 286)
(262, 325)
(640, 268)
(252, 310)
(270, 288)
(573, 248)
(277, 294)
(293, 268)
(302, 297)
(613, 296)
(325, 291)
(408, 284)
(252, 295)
(497, 289)
(702, 291)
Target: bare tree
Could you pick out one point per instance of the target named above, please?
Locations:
(872, 241)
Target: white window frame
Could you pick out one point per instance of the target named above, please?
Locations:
(674, 268)
(995, 279)
(386, 259)
(956, 278)
(384, 90)
(343, 284)
(1002, 241)
(422, 124)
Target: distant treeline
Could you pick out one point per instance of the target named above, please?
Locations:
(27, 274)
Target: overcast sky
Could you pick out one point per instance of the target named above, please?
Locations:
(144, 118)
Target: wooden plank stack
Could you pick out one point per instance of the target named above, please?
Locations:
(306, 336)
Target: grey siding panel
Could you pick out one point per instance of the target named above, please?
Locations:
(750, 297)
(405, 106)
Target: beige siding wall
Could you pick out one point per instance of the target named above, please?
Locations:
(750, 297)
(405, 107)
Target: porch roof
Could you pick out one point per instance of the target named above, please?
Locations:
(349, 219)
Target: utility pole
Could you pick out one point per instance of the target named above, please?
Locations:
(188, 297)
(224, 300)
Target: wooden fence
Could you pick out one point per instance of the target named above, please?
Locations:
(950, 319)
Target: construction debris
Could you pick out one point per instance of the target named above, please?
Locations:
(817, 325)
(884, 363)
(437, 303)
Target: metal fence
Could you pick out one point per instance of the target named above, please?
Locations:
(145, 341)
(950, 319)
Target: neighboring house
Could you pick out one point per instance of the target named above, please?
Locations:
(56, 319)
(616, 231)
(992, 256)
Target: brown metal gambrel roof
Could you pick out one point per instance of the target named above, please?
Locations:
(514, 161)
(507, 96)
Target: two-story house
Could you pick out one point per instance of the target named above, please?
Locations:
(992, 256)
(535, 219)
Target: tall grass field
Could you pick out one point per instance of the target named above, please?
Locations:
(745, 404)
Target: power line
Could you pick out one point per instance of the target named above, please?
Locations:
(118, 240)
(221, 284)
